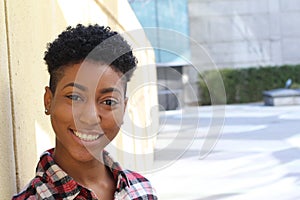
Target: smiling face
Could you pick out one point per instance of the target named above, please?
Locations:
(86, 109)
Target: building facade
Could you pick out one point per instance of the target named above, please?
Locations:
(245, 33)
(166, 24)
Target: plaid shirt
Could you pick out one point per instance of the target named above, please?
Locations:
(51, 182)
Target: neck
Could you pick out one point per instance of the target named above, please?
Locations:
(84, 172)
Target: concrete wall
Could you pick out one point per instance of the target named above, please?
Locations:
(243, 33)
(25, 29)
(7, 164)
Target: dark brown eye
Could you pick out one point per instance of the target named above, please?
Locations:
(110, 102)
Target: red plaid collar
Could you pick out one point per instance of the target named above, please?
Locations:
(47, 168)
(51, 183)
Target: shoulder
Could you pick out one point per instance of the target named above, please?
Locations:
(130, 185)
(134, 177)
(42, 188)
(140, 186)
(39, 185)
(30, 191)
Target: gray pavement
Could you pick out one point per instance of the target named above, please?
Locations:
(257, 155)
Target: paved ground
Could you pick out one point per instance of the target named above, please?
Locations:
(257, 155)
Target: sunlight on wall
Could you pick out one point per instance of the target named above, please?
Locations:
(78, 11)
(43, 140)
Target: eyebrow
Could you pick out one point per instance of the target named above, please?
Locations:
(72, 84)
(110, 89)
(83, 88)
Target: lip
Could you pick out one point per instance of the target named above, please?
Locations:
(87, 135)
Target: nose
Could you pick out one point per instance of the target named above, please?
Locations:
(89, 115)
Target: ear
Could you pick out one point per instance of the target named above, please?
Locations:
(47, 100)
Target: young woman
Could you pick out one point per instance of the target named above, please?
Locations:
(89, 69)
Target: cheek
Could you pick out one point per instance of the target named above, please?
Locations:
(111, 122)
(61, 116)
(118, 116)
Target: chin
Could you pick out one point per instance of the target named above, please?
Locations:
(87, 155)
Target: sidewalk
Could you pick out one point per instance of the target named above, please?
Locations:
(256, 157)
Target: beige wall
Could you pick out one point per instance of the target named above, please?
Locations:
(7, 164)
(25, 29)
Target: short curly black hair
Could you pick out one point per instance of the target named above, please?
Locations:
(94, 42)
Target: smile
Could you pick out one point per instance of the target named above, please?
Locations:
(87, 137)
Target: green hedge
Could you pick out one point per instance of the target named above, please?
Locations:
(247, 84)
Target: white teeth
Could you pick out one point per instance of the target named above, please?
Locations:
(86, 137)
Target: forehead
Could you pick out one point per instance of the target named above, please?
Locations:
(92, 75)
